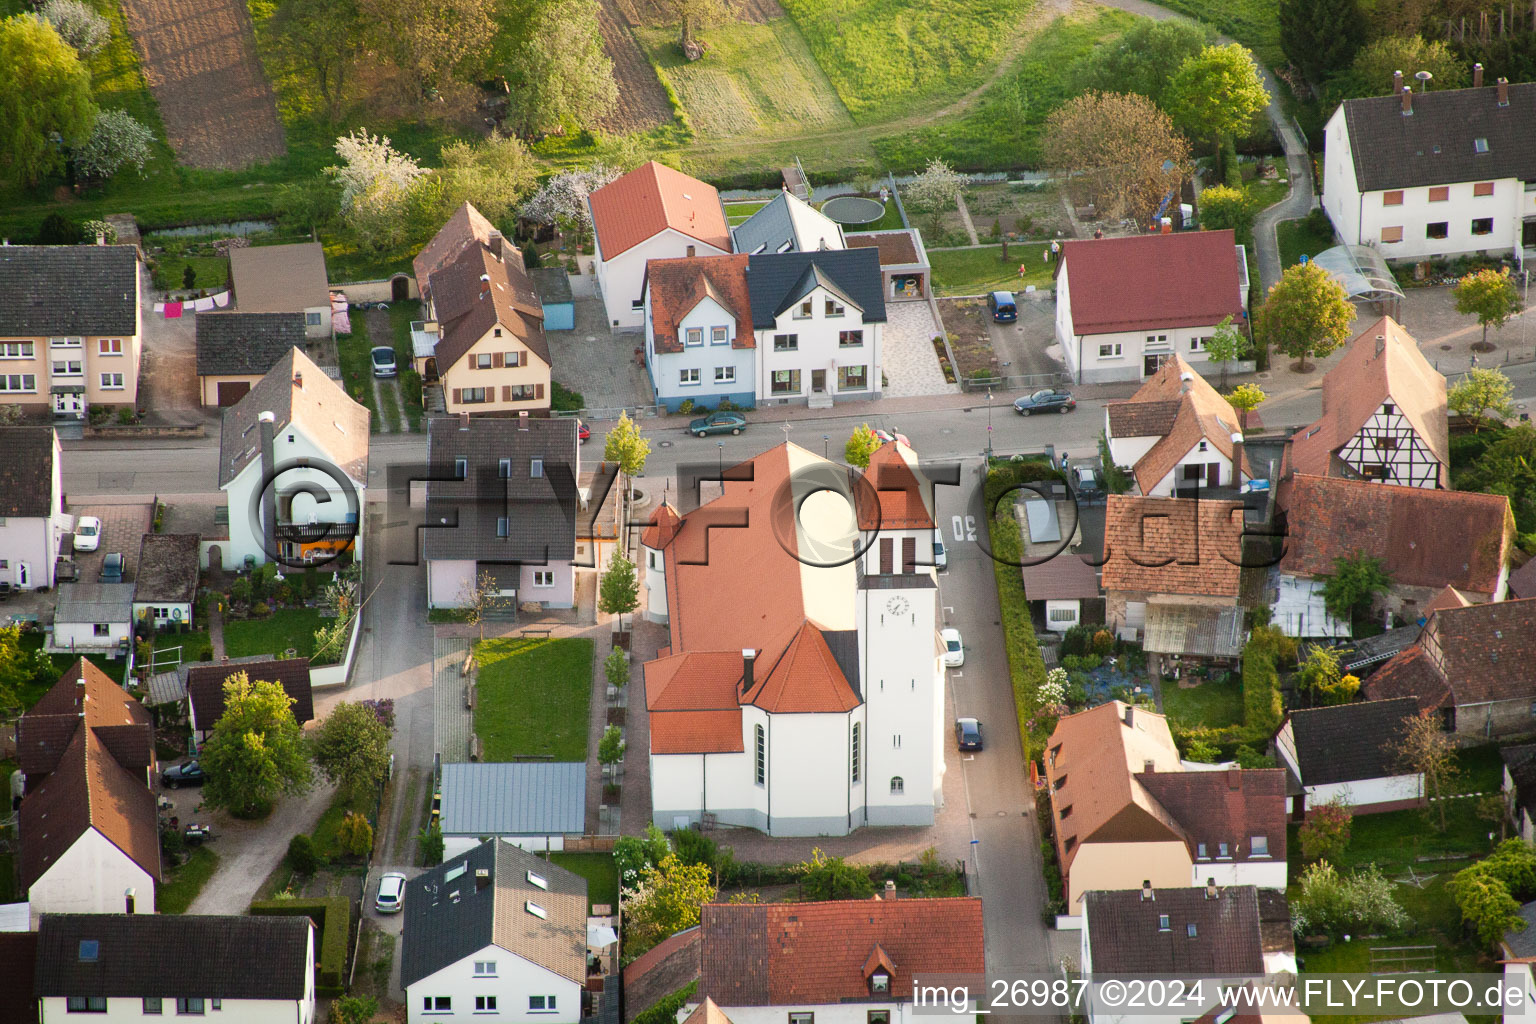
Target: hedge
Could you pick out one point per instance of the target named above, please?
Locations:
(1261, 683)
(1026, 669)
(334, 923)
(665, 1011)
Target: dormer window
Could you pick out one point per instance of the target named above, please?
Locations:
(1204, 446)
(804, 310)
(1163, 923)
(1480, 146)
(879, 982)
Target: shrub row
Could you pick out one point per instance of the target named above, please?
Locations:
(333, 922)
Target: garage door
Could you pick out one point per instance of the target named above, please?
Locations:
(231, 392)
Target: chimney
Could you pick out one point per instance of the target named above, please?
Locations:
(1477, 76)
(463, 421)
(1146, 889)
(485, 285)
(1210, 889)
(748, 656)
(128, 900)
(1397, 81)
(1407, 102)
(101, 239)
(482, 879)
(1237, 457)
(1149, 766)
(298, 380)
(496, 243)
(1234, 778)
(80, 694)
(268, 495)
(1503, 92)
(890, 889)
(522, 419)
(1130, 715)
(1381, 343)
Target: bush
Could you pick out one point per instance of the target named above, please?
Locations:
(1103, 643)
(125, 415)
(1325, 834)
(1077, 641)
(665, 1011)
(173, 843)
(1330, 902)
(410, 386)
(332, 921)
(563, 399)
(1261, 681)
(685, 406)
(832, 878)
(261, 610)
(240, 591)
(695, 848)
(354, 1010)
(78, 25)
(303, 857)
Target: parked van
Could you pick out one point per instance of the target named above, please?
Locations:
(1003, 308)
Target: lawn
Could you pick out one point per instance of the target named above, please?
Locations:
(1214, 703)
(1254, 23)
(186, 881)
(285, 628)
(192, 644)
(326, 828)
(532, 698)
(356, 373)
(400, 316)
(601, 873)
(889, 220)
(978, 271)
(736, 213)
(31, 693)
(1304, 237)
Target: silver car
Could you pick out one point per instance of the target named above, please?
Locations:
(391, 898)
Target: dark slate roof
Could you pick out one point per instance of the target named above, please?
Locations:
(539, 798)
(1350, 742)
(541, 510)
(1435, 144)
(245, 344)
(296, 391)
(1125, 937)
(552, 283)
(205, 686)
(167, 955)
(1373, 650)
(1520, 761)
(18, 964)
(1523, 942)
(449, 915)
(167, 568)
(87, 290)
(1522, 582)
(26, 471)
(786, 221)
(854, 273)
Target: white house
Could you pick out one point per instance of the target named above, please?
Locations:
(32, 517)
(1444, 173)
(495, 934)
(165, 587)
(129, 967)
(90, 839)
(295, 413)
(283, 279)
(1125, 305)
(651, 213)
(1177, 435)
(839, 962)
(787, 223)
(503, 500)
(92, 617)
(534, 805)
(1347, 753)
(802, 689)
(699, 341)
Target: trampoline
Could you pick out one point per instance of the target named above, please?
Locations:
(853, 210)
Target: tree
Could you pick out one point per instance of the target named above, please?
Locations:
(562, 200)
(309, 204)
(619, 590)
(557, 70)
(1117, 151)
(1480, 392)
(1306, 313)
(479, 597)
(431, 41)
(1371, 72)
(1320, 677)
(616, 667)
(354, 1010)
(1217, 92)
(303, 857)
(1492, 809)
(45, 98)
(256, 751)
(1144, 58)
(1425, 748)
(666, 900)
(189, 276)
(1321, 36)
(78, 24)
(1222, 206)
(626, 446)
(1329, 902)
(1202, 751)
(1356, 581)
(695, 15)
(351, 748)
(19, 669)
(1513, 862)
(832, 878)
(430, 841)
(493, 174)
(1485, 904)
(94, 229)
(376, 182)
(354, 835)
(634, 855)
(862, 444)
(610, 749)
(325, 37)
(1244, 399)
(936, 189)
(1488, 294)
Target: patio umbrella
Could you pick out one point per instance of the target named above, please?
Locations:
(601, 936)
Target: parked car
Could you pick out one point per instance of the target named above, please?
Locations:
(391, 898)
(582, 432)
(954, 652)
(189, 774)
(1045, 400)
(718, 423)
(87, 533)
(383, 358)
(887, 436)
(1002, 307)
(1086, 480)
(112, 568)
(968, 733)
(940, 555)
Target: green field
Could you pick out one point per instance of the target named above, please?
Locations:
(1254, 23)
(532, 698)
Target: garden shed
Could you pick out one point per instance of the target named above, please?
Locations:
(554, 288)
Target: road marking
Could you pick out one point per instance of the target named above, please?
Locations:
(963, 527)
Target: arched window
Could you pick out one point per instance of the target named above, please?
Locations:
(897, 786)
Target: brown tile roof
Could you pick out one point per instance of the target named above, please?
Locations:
(167, 568)
(1485, 651)
(1522, 582)
(1140, 282)
(279, 278)
(813, 954)
(1331, 517)
(651, 198)
(1449, 597)
(18, 962)
(45, 732)
(468, 308)
(1142, 417)
(1410, 673)
(896, 248)
(1228, 807)
(903, 501)
(26, 471)
(662, 528)
(205, 686)
(1357, 386)
(1157, 545)
(707, 1012)
(466, 227)
(677, 287)
(1201, 414)
(661, 970)
(1218, 937)
(333, 421)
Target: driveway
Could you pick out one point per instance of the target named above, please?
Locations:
(123, 526)
(909, 363)
(601, 365)
(1021, 346)
(168, 371)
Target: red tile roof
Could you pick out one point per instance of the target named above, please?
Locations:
(896, 247)
(651, 198)
(1142, 282)
(900, 501)
(815, 954)
(693, 702)
(1450, 597)
(1410, 673)
(466, 227)
(1199, 413)
(677, 287)
(805, 678)
(662, 527)
(1156, 545)
(1473, 655)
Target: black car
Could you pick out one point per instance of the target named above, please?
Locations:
(1045, 400)
(189, 774)
(968, 733)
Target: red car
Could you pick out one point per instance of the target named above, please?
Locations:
(582, 432)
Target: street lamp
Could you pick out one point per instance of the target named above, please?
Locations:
(989, 426)
(826, 446)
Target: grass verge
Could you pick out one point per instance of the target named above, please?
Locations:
(600, 871)
(532, 698)
(186, 881)
(1303, 237)
(283, 629)
(400, 316)
(356, 374)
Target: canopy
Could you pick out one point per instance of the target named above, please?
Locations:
(1362, 272)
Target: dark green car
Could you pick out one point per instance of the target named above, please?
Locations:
(718, 423)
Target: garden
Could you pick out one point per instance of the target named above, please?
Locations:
(301, 614)
(532, 698)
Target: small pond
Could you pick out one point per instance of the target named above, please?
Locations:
(238, 228)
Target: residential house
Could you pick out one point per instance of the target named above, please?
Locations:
(801, 688)
(239, 970)
(651, 213)
(1519, 788)
(93, 617)
(165, 588)
(1125, 809)
(700, 344)
(1177, 435)
(671, 964)
(1447, 173)
(205, 689)
(1172, 569)
(1329, 518)
(786, 223)
(1384, 410)
(1060, 578)
(18, 965)
(284, 279)
(904, 267)
(466, 228)
(498, 933)
(1207, 932)
(293, 413)
(70, 328)
(491, 353)
(837, 962)
(1348, 753)
(1125, 305)
(90, 839)
(32, 516)
(503, 500)
(235, 350)
(534, 805)
(1472, 667)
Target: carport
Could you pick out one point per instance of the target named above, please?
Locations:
(1364, 275)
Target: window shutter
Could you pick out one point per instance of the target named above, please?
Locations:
(458, 396)
(909, 554)
(495, 360)
(506, 392)
(538, 392)
(887, 555)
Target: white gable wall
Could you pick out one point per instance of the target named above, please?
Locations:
(818, 348)
(620, 278)
(291, 442)
(514, 981)
(723, 370)
(91, 878)
(1165, 487)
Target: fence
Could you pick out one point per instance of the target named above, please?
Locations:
(590, 844)
(1020, 383)
(604, 415)
(1402, 959)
